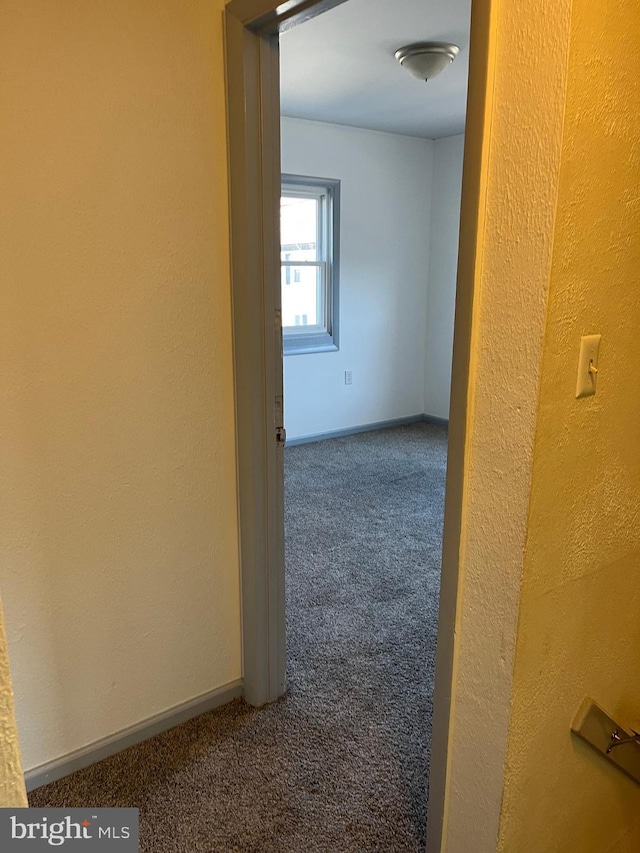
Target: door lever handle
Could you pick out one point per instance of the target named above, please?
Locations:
(604, 734)
(616, 740)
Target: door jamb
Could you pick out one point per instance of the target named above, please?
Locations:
(470, 248)
(251, 28)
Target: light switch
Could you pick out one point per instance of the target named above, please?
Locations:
(588, 365)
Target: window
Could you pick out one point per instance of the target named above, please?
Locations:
(309, 219)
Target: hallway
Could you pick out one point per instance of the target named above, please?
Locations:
(339, 764)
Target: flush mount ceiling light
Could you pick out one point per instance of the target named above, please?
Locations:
(427, 59)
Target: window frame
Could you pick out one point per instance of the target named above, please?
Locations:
(322, 337)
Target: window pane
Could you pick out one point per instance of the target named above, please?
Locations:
(299, 219)
(309, 211)
(301, 291)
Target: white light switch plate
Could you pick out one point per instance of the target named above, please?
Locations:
(588, 366)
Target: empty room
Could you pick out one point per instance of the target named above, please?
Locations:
(370, 203)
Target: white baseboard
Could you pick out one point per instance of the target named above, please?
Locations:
(110, 745)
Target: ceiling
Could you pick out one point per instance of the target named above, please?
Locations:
(340, 67)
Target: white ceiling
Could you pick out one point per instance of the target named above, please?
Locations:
(340, 67)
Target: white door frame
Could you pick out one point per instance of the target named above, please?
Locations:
(251, 32)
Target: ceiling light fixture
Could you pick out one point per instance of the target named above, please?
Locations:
(427, 59)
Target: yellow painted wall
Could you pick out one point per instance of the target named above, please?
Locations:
(118, 552)
(12, 790)
(579, 625)
(513, 153)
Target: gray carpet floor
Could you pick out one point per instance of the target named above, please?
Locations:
(340, 763)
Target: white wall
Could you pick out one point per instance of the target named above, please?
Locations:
(118, 552)
(385, 221)
(443, 262)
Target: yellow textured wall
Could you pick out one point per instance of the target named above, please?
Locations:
(12, 791)
(579, 629)
(118, 552)
(514, 148)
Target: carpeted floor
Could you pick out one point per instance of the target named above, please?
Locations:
(340, 763)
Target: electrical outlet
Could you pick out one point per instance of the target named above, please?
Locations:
(348, 377)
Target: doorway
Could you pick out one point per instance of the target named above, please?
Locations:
(370, 215)
(252, 51)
